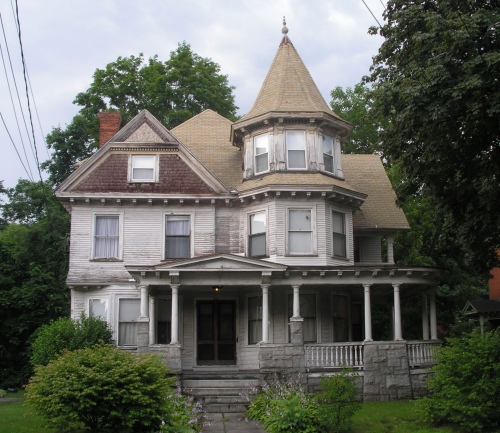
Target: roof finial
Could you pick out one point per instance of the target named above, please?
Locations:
(284, 30)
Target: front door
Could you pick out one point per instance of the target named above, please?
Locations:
(216, 323)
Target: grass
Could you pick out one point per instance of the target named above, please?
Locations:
(16, 418)
(393, 417)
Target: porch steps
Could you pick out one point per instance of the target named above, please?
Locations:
(222, 394)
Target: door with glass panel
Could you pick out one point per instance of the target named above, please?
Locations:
(216, 332)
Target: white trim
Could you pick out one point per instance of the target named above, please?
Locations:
(156, 169)
(117, 328)
(255, 153)
(314, 232)
(98, 298)
(108, 213)
(305, 150)
(191, 215)
(247, 233)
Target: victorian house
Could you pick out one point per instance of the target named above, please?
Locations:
(239, 249)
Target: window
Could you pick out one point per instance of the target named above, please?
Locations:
(177, 237)
(261, 149)
(296, 149)
(299, 231)
(143, 168)
(308, 313)
(164, 321)
(340, 318)
(339, 238)
(106, 237)
(328, 153)
(254, 319)
(129, 311)
(257, 236)
(98, 308)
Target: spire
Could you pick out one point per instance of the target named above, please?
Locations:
(284, 30)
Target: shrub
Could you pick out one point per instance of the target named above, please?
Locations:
(104, 389)
(465, 389)
(338, 401)
(49, 341)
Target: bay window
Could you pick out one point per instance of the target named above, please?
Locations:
(177, 237)
(257, 235)
(339, 235)
(261, 152)
(106, 237)
(296, 149)
(300, 231)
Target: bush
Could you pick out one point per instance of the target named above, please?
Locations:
(104, 389)
(338, 401)
(465, 389)
(49, 341)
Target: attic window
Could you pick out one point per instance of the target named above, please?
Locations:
(143, 168)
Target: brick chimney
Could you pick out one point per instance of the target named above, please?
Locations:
(109, 125)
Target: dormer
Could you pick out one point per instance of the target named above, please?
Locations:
(290, 126)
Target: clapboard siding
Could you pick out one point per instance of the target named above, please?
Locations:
(370, 249)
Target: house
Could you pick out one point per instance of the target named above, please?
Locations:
(239, 249)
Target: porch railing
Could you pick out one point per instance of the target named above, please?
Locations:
(334, 355)
(422, 353)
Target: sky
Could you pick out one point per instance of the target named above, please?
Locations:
(65, 41)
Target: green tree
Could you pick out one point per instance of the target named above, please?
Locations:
(436, 82)
(50, 340)
(3, 222)
(354, 105)
(173, 91)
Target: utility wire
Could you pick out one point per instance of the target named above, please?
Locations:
(373, 15)
(17, 92)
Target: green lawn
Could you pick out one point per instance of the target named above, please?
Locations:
(16, 419)
(393, 417)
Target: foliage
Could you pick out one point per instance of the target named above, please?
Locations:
(50, 340)
(465, 389)
(173, 91)
(104, 389)
(3, 222)
(435, 79)
(354, 105)
(33, 267)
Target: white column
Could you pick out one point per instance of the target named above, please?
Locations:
(368, 314)
(425, 317)
(175, 315)
(152, 320)
(432, 299)
(296, 302)
(144, 301)
(390, 249)
(398, 330)
(265, 313)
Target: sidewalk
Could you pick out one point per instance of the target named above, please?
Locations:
(231, 423)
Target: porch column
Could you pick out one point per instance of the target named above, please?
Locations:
(425, 317)
(398, 330)
(390, 249)
(296, 302)
(152, 319)
(175, 315)
(144, 301)
(432, 296)
(368, 313)
(265, 313)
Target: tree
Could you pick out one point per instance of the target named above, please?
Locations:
(173, 91)
(3, 223)
(436, 83)
(353, 105)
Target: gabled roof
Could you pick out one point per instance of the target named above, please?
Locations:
(482, 306)
(206, 135)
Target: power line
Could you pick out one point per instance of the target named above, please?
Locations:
(373, 15)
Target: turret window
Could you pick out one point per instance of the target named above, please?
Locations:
(261, 149)
(328, 153)
(296, 149)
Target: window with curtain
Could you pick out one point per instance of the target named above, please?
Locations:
(308, 313)
(257, 235)
(177, 237)
(106, 237)
(328, 153)
(339, 235)
(254, 319)
(143, 168)
(261, 152)
(98, 308)
(164, 321)
(129, 311)
(296, 149)
(299, 231)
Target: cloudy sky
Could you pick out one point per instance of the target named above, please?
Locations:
(65, 41)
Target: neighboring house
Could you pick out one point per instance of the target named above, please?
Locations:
(241, 249)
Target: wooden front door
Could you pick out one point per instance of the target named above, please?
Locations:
(216, 332)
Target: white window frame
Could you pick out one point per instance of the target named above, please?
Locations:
(346, 247)
(255, 155)
(122, 298)
(104, 300)
(287, 140)
(155, 167)
(328, 139)
(191, 234)
(250, 234)
(120, 235)
(313, 231)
